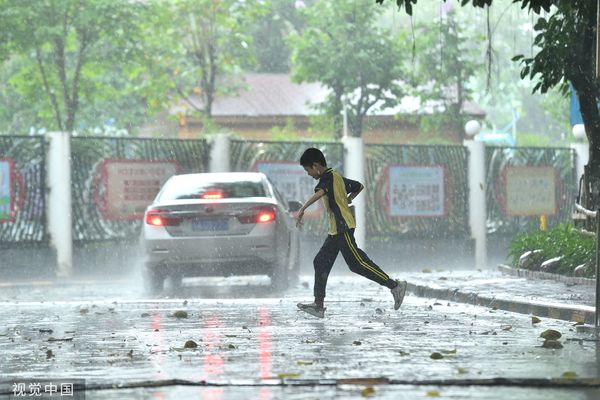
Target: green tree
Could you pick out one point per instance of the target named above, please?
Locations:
(62, 52)
(269, 35)
(445, 62)
(344, 49)
(208, 42)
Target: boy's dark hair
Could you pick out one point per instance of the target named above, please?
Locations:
(311, 156)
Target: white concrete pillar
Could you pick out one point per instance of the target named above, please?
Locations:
(477, 209)
(354, 168)
(220, 155)
(582, 152)
(58, 181)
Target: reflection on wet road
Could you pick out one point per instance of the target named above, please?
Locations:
(249, 339)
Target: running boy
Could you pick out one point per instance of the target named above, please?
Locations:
(337, 193)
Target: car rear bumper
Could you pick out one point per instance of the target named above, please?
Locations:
(212, 255)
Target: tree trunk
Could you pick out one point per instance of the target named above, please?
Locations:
(582, 74)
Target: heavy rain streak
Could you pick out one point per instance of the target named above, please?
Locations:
(299, 199)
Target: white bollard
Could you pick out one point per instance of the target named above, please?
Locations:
(477, 210)
(220, 158)
(354, 168)
(58, 181)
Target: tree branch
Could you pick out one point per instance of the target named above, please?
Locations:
(53, 100)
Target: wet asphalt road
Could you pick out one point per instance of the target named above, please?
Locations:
(249, 339)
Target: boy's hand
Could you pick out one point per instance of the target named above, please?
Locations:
(299, 217)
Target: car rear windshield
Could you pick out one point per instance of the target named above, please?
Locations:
(179, 189)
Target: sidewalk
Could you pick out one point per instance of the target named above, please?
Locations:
(566, 299)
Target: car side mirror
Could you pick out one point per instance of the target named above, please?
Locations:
(294, 205)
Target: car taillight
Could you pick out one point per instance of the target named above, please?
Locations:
(258, 215)
(212, 195)
(157, 218)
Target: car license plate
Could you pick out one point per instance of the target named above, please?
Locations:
(210, 224)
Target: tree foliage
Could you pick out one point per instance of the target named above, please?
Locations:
(208, 41)
(444, 64)
(64, 51)
(344, 49)
(534, 5)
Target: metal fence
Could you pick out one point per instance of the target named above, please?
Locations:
(247, 155)
(22, 191)
(528, 161)
(452, 221)
(88, 154)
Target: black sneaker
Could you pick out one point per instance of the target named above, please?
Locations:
(313, 309)
(398, 292)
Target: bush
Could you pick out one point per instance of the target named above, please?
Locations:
(561, 241)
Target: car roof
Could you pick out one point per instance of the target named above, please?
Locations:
(223, 176)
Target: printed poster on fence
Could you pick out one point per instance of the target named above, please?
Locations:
(6, 189)
(291, 181)
(416, 191)
(129, 186)
(530, 191)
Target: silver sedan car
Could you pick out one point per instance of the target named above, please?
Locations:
(219, 224)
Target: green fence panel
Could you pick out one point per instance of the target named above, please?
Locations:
(501, 220)
(383, 225)
(89, 154)
(22, 191)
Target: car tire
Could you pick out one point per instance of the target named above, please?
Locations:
(153, 280)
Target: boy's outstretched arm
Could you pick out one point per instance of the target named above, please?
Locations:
(318, 194)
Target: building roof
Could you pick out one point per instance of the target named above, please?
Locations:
(271, 95)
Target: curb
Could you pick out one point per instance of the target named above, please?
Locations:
(574, 313)
(525, 273)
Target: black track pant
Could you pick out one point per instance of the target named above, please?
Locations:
(357, 261)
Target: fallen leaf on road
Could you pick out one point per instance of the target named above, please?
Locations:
(53, 339)
(180, 314)
(569, 375)
(49, 354)
(357, 343)
(461, 370)
(436, 356)
(368, 391)
(404, 353)
(144, 315)
(83, 311)
(231, 346)
(288, 375)
(432, 393)
(550, 334)
(448, 351)
(305, 362)
(535, 320)
(190, 344)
